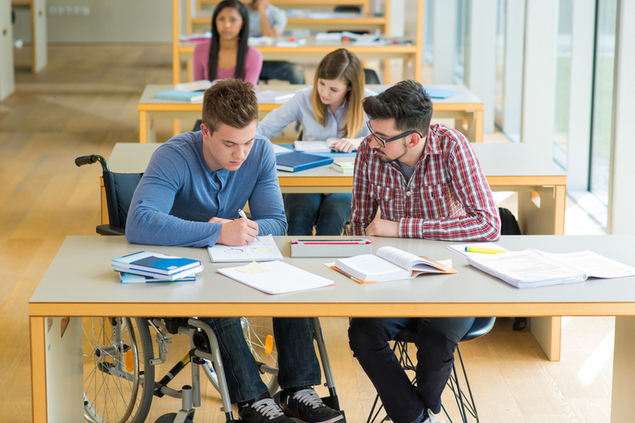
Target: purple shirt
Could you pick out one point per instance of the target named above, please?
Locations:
(253, 64)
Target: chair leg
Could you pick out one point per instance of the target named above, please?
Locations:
(465, 403)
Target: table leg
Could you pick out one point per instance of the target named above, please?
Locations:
(56, 369)
(622, 404)
(144, 127)
(547, 331)
(38, 369)
(478, 126)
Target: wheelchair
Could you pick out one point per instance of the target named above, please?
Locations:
(119, 352)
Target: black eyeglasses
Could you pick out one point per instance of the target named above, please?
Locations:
(382, 142)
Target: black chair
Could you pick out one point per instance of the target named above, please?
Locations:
(119, 189)
(348, 9)
(371, 76)
(464, 401)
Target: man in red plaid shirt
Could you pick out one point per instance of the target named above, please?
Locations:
(428, 184)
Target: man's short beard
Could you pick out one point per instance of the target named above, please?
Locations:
(386, 159)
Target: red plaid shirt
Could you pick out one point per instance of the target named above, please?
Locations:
(447, 197)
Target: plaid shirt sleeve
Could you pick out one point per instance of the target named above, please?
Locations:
(363, 206)
(470, 211)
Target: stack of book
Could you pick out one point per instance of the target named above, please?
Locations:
(148, 267)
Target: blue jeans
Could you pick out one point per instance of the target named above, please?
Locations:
(282, 70)
(297, 362)
(329, 213)
(436, 341)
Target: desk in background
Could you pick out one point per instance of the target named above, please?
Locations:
(37, 9)
(90, 288)
(465, 106)
(411, 28)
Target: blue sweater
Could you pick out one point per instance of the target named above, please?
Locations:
(179, 193)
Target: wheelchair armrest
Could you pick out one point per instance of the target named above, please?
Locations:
(110, 230)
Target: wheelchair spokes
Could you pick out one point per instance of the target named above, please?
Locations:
(116, 352)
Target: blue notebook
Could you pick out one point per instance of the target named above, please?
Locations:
(297, 161)
(176, 95)
(440, 93)
(154, 264)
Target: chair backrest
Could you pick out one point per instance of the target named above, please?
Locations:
(371, 76)
(509, 224)
(344, 8)
(480, 327)
(119, 189)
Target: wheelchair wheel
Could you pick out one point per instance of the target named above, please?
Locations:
(258, 333)
(118, 377)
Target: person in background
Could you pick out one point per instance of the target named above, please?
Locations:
(227, 54)
(269, 21)
(428, 184)
(332, 108)
(189, 196)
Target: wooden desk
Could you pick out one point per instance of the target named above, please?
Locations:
(37, 8)
(465, 106)
(410, 53)
(508, 167)
(80, 282)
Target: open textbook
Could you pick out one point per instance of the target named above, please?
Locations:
(315, 146)
(390, 264)
(532, 268)
(263, 248)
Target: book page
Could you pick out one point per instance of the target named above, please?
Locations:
(525, 266)
(408, 260)
(593, 264)
(263, 248)
(368, 267)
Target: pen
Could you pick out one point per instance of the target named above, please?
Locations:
(242, 214)
(482, 250)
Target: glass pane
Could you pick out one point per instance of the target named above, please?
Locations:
(499, 94)
(603, 98)
(459, 50)
(563, 82)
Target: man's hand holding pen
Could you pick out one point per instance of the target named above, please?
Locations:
(237, 232)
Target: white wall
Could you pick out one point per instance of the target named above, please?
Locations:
(112, 21)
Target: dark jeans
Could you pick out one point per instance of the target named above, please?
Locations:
(329, 213)
(283, 71)
(297, 362)
(436, 341)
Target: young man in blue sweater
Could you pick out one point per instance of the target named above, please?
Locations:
(189, 196)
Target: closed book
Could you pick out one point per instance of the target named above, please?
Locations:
(174, 277)
(297, 161)
(344, 167)
(155, 263)
(132, 278)
(177, 95)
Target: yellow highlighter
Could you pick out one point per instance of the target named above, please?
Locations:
(482, 250)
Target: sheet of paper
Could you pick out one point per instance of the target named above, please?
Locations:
(281, 278)
(263, 248)
(594, 265)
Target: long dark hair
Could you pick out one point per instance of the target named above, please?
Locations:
(243, 38)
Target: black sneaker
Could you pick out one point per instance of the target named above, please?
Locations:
(307, 406)
(263, 411)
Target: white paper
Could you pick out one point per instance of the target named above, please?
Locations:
(281, 278)
(263, 248)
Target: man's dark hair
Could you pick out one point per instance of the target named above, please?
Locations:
(406, 102)
(232, 102)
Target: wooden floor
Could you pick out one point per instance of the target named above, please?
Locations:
(84, 102)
